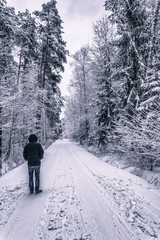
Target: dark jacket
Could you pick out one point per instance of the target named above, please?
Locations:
(33, 153)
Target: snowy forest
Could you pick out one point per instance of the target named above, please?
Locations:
(115, 88)
(113, 104)
(32, 54)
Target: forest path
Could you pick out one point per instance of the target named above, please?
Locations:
(83, 198)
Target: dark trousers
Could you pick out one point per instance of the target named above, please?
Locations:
(31, 171)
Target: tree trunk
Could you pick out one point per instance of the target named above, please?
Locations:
(19, 70)
(10, 139)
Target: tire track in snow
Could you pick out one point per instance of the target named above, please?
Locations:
(62, 218)
(109, 223)
(76, 209)
(12, 195)
(136, 211)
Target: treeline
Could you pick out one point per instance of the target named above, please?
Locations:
(115, 100)
(32, 54)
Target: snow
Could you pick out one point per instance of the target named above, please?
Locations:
(83, 198)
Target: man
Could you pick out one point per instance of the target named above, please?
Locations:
(33, 153)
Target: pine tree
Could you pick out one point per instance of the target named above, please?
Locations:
(151, 85)
(52, 52)
(7, 64)
(52, 47)
(106, 100)
(150, 108)
(130, 17)
(26, 42)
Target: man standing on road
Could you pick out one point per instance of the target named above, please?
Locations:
(33, 153)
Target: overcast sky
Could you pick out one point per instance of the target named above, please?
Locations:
(78, 17)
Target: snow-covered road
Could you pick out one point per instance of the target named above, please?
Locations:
(83, 198)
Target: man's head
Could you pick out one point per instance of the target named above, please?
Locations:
(32, 138)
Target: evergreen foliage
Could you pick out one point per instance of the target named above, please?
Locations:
(130, 17)
(81, 98)
(102, 57)
(123, 102)
(32, 54)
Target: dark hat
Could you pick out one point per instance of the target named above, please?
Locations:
(32, 138)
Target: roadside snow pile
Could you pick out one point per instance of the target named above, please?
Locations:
(10, 196)
(120, 162)
(152, 177)
(11, 192)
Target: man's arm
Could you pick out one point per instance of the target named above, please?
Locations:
(25, 153)
(41, 152)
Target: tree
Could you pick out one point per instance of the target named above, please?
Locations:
(52, 53)
(130, 17)
(102, 60)
(150, 108)
(26, 42)
(81, 85)
(7, 63)
(151, 85)
(52, 47)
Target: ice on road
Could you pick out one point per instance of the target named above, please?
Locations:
(83, 198)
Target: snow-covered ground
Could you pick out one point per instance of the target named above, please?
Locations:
(126, 162)
(83, 198)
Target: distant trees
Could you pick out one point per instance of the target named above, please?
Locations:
(102, 53)
(32, 53)
(93, 94)
(81, 98)
(123, 110)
